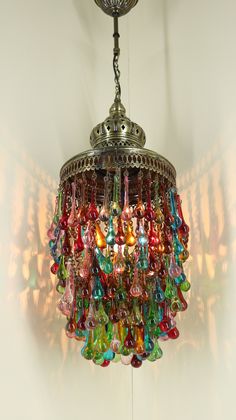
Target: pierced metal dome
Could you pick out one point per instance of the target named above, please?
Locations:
(116, 7)
(117, 130)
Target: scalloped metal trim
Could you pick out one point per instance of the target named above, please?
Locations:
(111, 158)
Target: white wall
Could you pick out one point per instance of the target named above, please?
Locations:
(178, 76)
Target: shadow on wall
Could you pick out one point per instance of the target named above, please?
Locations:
(209, 209)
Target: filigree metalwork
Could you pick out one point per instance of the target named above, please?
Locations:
(111, 158)
(116, 7)
(117, 130)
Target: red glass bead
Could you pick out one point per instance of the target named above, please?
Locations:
(82, 215)
(139, 210)
(173, 333)
(81, 322)
(105, 363)
(92, 213)
(145, 296)
(167, 245)
(63, 222)
(85, 292)
(169, 219)
(78, 244)
(149, 214)
(153, 239)
(129, 340)
(184, 228)
(182, 300)
(153, 263)
(70, 328)
(162, 272)
(54, 268)
(66, 247)
(111, 291)
(145, 355)
(120, 236)
(165, 324)
(135, 362)
(114, 317)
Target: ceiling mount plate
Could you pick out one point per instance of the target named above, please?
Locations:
(116, 7)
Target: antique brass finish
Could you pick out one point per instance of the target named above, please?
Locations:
(116, 7)
(118, 142)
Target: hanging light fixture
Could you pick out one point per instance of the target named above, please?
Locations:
(118, 238)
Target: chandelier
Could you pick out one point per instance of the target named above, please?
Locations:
(118, 239)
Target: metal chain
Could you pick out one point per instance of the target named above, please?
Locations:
(116, 56)
(117, 76)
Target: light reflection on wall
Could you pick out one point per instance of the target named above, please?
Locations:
(30, 282)
(209, 209)
(208, 194)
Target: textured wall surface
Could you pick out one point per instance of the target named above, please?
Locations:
(178, 67)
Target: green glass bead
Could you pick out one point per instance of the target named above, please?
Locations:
(62, 273)
(170, 291)
(116, 358)
(156, 353)
(157, 332)
(185, 286)
(101, 344)
(111, 236)
(142, 264)
(51, 244)
(115, 208)
(178, 247)
(60, 289)
(137, 314)
(101, 316)
(110, 333)
(98, 291)
(148, 343)
(98, 358)
(88, 352)
(176, 305)
(124, 351)
(106, 266)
